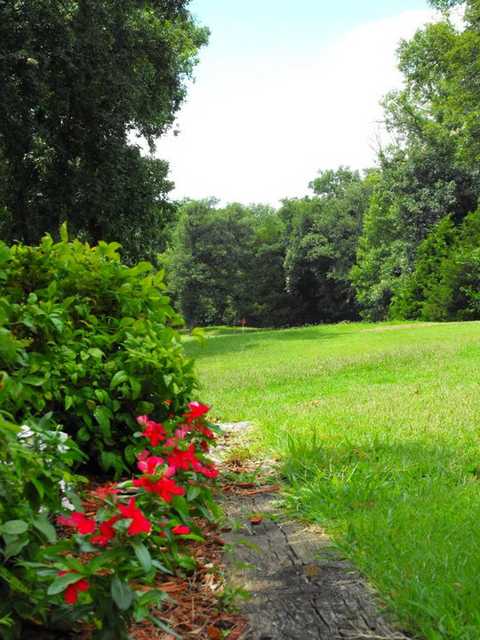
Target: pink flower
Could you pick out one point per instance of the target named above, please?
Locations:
(182, 431)
(139, 524)
(149, 465)
(181, 530)
(78, 521)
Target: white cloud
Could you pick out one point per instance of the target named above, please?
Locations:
(258, 129)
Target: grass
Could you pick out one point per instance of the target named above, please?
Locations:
(378, 428)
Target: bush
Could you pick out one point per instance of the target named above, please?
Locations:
(35, 483)
(102, 571)
(90, 340)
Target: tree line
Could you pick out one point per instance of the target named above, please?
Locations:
(79, 77)
(400, 241)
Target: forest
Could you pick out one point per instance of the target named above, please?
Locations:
(396, 241)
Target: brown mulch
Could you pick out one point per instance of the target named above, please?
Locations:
(193, 610)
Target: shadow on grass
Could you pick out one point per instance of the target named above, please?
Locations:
(218, 343)
(336, 480)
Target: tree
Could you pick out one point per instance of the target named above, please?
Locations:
(322, 242)
(76, 78)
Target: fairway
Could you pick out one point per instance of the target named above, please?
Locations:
(378, 431)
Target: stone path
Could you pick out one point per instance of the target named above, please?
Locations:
(300, 588)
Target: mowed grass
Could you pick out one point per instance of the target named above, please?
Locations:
(378, 430)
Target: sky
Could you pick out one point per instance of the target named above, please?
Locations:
(284, 89)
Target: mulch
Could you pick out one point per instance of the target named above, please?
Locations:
(193, 609)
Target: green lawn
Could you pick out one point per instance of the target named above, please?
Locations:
(378, 427)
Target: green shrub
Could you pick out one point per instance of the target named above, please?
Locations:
(90, 340)
(35, 482)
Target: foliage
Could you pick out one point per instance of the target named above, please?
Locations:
(90, 340)
(35, 480)
(76, 80)
(226, 265)
(445, 284)
(321, 245)
(106, 569)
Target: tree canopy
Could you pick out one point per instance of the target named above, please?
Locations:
(77, 78)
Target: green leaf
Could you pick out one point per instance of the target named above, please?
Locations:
(118, 378)
(164, 627)
(121, 593)
(103, 415)
(181, 506)
(14, 548)
(64, 232)
(46, 528)
(13, 582)
(62, 582)
(192, 493)
(34, 381)
(143, 556)
(14, 527)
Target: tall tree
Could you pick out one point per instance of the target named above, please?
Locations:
(76, 78)
(322, 243)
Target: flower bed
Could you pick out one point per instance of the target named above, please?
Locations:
(86, 345)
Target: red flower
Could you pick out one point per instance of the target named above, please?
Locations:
(70, 595)
(207, 471)
(183, 459)
(103, 492)
(165, 488)
(207, 433)
(196, 410)
(149, 465)
(181, 530)
(153, 431)
(78, 521)
(107, 532)
(139, 524)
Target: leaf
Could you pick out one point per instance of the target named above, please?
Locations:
(14, 527)
(164, 627)
(181, 506)
(193, 493)
(103, 415)
(64, 232)
(34, 381)
(143, 556)
(13, 582)
(118, 378)
(96, 353)
(14, 548)
(44, 526)
(121, 593)
(62, 582)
